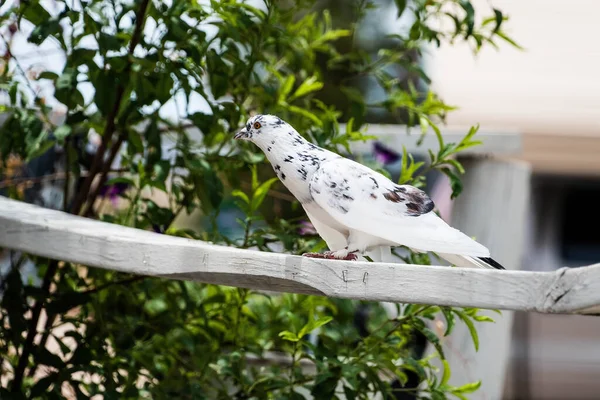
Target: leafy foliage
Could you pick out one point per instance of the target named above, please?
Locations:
(216, 63)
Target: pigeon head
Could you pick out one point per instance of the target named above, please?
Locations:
(262, 128)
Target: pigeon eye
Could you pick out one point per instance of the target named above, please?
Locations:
(257, 125)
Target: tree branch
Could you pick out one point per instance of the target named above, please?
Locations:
(80, 199)
(35, 317)
(26, 180)
(104, 175)
(51, 318)
(109, 129)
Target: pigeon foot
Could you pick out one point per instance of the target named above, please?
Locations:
(333, 255)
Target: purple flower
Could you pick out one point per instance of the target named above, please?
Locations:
(112, 192)
(384, 155)
(307, 229)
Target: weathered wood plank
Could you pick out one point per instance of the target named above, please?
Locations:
(65, 237)
(395, 136)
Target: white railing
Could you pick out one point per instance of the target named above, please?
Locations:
(62, 236)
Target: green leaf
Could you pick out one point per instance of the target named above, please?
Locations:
(84, 56)
(438, 135)
(43, 356)
(178, 29)
(66, 89)
(157, 215)
(289, 336)
(259, 194)
(241, 195)
(82, 355)
(331, 36)
(470, 16)
(42, 31)
(401, 5)
(105, 95)
(424, 123)
(203, 121)
(145, 89)
(308, 86)
(325, 384)
(470, 326)
(349, 393)
(164, 87)
(62, 132)
(68, 301)
(467, 388)
(108, 42)
(40, 148)
(218, 74)
(446, 374)
(455, 182)
(48, 75)
(472, 131)
(432, 338)
(416, 367)
(404, 175)
(254, 172)
(155, 306)
(437, 395)
(349, 126)
(135, 141)
(408, 167)
(42, 385)
(509, 40)
(483, 318)
(286, 88)
(499, 18)
(14, 305)
(210, 190)
(12, 93)
(35, 13)
(466, 142)
(64, 349)
(161, 172)
(66, 81)
(305, 113)
(296, 396)
(456, 164)
(449, 319)
(312, 325)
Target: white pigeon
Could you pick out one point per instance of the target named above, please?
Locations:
(355, 209)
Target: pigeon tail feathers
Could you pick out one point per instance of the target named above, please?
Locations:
(471, 262)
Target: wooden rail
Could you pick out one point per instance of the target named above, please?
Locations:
(62, 236)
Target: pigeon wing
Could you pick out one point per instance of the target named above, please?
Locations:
(367, 201)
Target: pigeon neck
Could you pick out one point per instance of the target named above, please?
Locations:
(295, 160)
(282, 142)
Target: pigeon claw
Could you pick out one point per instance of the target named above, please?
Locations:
(350, 257)
(332, 255)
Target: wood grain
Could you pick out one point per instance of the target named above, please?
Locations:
(65, 237)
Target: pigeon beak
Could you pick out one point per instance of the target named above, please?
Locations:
(243, 134)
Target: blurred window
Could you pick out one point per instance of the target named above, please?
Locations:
(580, 223)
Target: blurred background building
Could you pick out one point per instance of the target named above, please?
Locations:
(550, 93)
